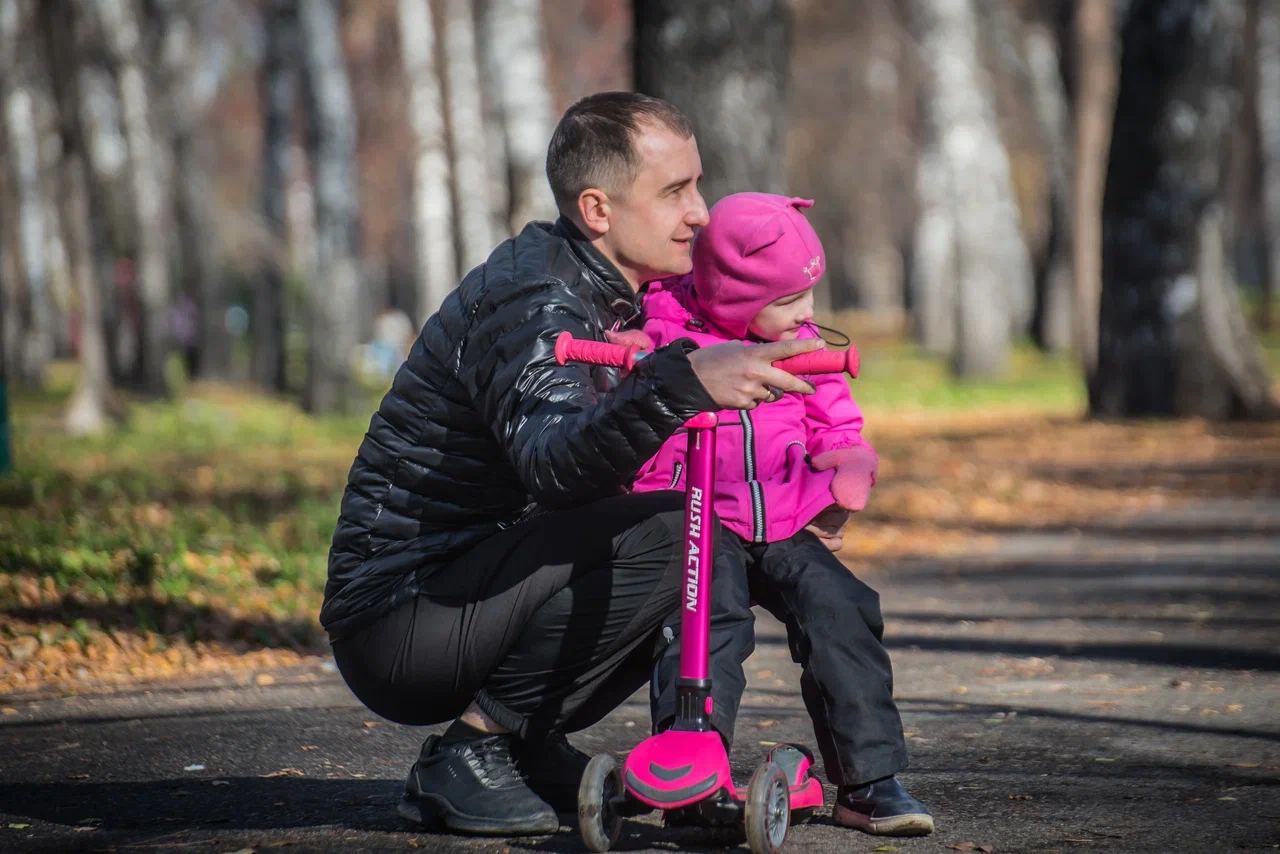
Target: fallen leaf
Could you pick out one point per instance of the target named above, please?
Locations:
(78, 777)
(764, 674)
(768, 743)
(963, 846)
(9, 711)
(960, 689)
(1235, 707)
(19, 826)
(196, 767)
(84, 829)
(309, 747)
(264, 679)
(284, 772)
(885, 848)
(278, 804)
(370, 724)
(221, 783)
(1021, 798)
(766, 724)
(1205, 713)
(1228, 798)
(1102, 759)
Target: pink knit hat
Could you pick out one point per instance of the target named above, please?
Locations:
(757, 248)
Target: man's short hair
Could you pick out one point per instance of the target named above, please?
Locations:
(594, 143)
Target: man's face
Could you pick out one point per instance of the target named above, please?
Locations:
(651, 227)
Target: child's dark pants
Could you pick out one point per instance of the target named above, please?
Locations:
(834, 629)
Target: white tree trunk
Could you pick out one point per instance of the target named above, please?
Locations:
(935, 268)
(992, 267)
(432, 204)
(119, 22)
(87, 411)
(470, 166)
(495, 136)
(516, 50)
(332, 293)
(1268, 104)
(17, 79)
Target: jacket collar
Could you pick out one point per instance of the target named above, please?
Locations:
(602, 274)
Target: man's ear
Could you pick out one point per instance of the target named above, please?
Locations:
(595, 209)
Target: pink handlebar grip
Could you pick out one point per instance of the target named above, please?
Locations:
(570, 349)
(822, 362)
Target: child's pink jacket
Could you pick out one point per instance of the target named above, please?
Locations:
(775, 464)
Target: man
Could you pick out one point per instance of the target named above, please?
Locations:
(488, 562)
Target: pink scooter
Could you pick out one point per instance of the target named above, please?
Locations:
(686, 767)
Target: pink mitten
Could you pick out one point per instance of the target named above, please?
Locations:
(855, 474)
(630, 338)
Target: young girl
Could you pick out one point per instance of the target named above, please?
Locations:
(788, 474)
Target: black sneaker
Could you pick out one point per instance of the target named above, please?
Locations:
(474, 787)
(553, 768)
(882, 808)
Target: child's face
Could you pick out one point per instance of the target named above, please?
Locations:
(781, 319)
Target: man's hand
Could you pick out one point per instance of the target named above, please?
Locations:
(740, 376)
(829, 526)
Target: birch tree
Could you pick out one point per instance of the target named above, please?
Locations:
(470, 165)
(432, 203)
(972, 267)
(19, 77)
(331, 295)
(516, 56)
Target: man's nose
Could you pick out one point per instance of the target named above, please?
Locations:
(698, 215)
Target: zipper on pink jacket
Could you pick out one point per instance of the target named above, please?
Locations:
(749, 463)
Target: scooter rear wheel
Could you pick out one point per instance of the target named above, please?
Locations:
(767, 812)
(598, 819)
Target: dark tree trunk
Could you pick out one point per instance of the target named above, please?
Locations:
(725, 64)
(1172, 337)
(279, 95)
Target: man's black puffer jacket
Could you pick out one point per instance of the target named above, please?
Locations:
(481, 423)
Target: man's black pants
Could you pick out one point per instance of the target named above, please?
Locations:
(834, 629)
(548, 625)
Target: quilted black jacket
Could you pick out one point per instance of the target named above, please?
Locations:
(481, 425)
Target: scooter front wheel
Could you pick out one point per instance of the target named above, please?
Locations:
(599, 821)
(767, 812)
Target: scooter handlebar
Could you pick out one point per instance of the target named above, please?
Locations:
(822, 362)
(570, 349)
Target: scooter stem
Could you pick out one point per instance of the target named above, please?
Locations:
(693, 688)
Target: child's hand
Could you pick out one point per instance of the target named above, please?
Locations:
(829, 526)
(855, 474)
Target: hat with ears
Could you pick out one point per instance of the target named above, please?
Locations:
(757, 248)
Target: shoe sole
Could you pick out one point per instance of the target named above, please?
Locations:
(429, 811)
(911, 824)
